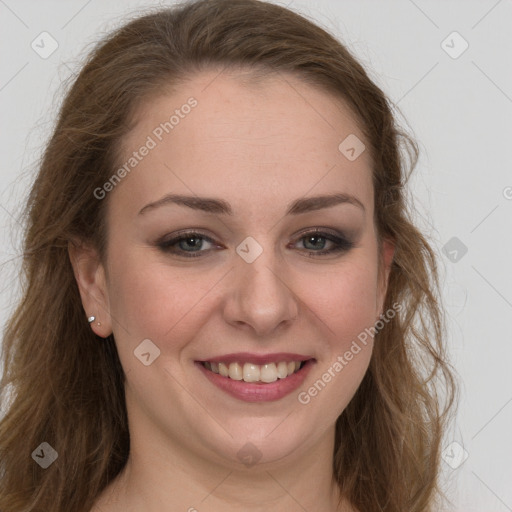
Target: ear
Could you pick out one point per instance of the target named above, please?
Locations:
(386, 259)
(91, 280)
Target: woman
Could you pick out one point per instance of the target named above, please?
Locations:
(227, 305)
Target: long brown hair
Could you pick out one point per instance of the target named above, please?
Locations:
(65, 386)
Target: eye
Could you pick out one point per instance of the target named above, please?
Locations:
(315, 243)
(189, 244)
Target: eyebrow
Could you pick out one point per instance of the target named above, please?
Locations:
(221, 207)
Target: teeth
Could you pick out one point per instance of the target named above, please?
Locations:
(235, 371)
(249, 372)
(282, 369)
(268, 372)
(223, 370)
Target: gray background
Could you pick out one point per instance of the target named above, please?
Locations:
(459, 109)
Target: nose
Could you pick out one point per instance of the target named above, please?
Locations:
(260, 300)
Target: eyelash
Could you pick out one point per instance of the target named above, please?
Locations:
(340, 244)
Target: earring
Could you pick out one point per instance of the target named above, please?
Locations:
(91, 319)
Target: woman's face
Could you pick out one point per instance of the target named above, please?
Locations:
(235, 273)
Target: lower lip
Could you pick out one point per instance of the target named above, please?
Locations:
(259, 392)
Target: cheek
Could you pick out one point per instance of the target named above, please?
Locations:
(346, 304)
(344, 300)
(150, 299)
(348, 310)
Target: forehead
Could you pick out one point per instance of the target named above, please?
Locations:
(275, 138)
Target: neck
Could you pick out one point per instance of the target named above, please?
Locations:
(161, 475)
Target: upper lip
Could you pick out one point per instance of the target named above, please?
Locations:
(248, 357)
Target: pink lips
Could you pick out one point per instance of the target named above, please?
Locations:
(258, 391)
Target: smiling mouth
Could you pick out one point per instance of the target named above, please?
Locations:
(249, 372)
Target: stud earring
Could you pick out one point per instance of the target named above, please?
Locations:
(91, 319)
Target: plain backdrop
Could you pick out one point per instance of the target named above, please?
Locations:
(447, 66)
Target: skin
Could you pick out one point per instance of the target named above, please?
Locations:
(258, 147)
